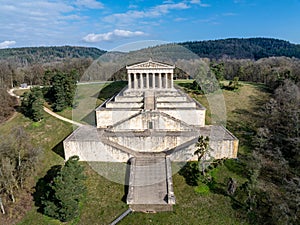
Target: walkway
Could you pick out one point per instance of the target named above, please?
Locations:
(62, 118)
(11, 92)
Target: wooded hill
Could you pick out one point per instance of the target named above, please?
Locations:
(243, 48)
(31, 55)
(234, 48)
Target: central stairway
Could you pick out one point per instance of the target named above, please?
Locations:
(150, 184)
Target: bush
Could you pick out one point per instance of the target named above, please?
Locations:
(202, 189)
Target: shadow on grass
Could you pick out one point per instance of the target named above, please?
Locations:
(111, 89)
(126, 186)
(261, 87)
(216, 187)
(193, 177)
(235, 204)
(106, 92)
(237, 167)
(59, 149)
(42, 190)
(90, 118)
(18, 108)
(190, 87)
(185, 85)
(191, 173)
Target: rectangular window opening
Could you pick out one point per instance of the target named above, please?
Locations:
(150, 125)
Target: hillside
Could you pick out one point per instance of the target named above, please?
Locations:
(237, 48)
(32, 55)
(243, 48)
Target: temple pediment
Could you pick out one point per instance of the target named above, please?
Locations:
(150, 65)
(157, 121)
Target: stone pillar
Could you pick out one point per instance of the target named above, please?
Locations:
(159, 80)
(134, 81)
(166, 80)
(141, 81)
(172, 80)
(147, 80)
(129, 80)
(153, 80)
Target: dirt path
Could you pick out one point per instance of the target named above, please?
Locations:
(11, 92)
(62, 118)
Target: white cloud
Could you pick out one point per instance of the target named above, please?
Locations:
(132, 6)
(6, 44)
(45, 22)
(198, 2)
(91, 4)
(110, 36)
(130, 16)
(229, 14)
(179, 19)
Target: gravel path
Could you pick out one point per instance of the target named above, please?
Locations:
(11, 92)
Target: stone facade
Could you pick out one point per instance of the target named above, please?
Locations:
(149, 116)
(150, 75)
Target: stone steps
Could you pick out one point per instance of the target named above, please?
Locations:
(151, 208)
(150, 184)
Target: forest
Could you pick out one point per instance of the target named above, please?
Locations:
(243, 48)
(31, 55)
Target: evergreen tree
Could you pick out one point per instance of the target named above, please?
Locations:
(218, 70)
(32, 104)
(37, 104)
(63, 89)
(64, 193)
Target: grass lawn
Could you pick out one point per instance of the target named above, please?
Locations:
(241, 107)
(88, 97)
(103, 202)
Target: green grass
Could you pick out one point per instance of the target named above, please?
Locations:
(191, 208)
(88, 97)
(103, 202)
(241, 108)
(202, 189)
(85, 100)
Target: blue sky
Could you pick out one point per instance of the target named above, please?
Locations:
(108, 24)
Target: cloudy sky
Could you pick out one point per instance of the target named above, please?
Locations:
(108, 24)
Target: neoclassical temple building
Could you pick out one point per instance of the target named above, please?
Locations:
(150, 75)
(150, 122)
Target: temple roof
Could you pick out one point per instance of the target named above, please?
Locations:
(150, 65)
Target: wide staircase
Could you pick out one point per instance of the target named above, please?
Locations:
(150, 184)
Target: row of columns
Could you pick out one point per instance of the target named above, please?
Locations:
(137, 81)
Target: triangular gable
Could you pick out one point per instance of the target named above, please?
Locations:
(161, 121)
(150, 64)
